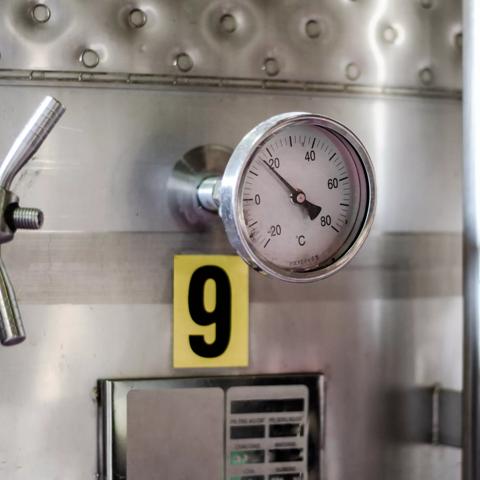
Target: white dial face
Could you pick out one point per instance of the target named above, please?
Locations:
(302, 198)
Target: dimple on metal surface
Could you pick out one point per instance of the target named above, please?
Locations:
(313, 28)
(41, 13)
(183, 61)
(228, 23)
(271, 66)
(137, 18)
(307, 41)
(89, 58)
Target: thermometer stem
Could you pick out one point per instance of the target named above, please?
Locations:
(207, 193)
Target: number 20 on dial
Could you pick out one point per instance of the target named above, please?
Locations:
(210, 311)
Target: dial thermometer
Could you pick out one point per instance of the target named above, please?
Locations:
(297, 196)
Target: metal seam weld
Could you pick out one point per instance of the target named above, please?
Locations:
(130, 79)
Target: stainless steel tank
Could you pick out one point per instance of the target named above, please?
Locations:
(143, 83)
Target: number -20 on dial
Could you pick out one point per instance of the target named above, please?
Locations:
(297, 196)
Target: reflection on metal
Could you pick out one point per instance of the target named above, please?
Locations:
(14, 217)
(471, 243)
(115, 399)
(272, 44)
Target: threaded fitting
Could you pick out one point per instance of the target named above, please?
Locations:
(27, 218)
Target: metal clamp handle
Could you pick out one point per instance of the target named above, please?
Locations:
(11, 325)
(30, 138)
(12, 216)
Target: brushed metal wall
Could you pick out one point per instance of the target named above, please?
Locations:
(94, 285)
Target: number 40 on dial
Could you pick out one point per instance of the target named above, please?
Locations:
(210, 311)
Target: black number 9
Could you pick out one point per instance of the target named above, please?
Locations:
(220, 316)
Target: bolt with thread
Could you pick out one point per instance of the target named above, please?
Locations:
(27, 218)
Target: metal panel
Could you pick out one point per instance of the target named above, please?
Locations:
(117, 180)
(95, 286)
(364, 347)
(120, 432)
(97, 300)
(169, 424)
(402, 44)
(133, 268)
(426, 415)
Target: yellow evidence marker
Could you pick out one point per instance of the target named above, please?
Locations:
(210, 311)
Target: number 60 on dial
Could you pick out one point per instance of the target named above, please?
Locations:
(210, 311)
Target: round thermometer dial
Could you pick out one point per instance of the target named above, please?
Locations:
(297, 197)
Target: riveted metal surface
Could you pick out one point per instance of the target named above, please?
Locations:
(369, 43)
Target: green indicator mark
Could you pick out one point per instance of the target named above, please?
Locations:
(238, 458)
(241, 457)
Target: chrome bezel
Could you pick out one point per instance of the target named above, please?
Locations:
(231, 210)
